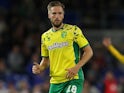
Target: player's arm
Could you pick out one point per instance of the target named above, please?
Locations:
(87, 54)
(108, 44)
(45, 54)
(44, 63)
(85, 46)
(116, 53)
(38, 68)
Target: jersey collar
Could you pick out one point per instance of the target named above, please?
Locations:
(58, 29)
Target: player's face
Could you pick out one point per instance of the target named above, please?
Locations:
(56, 15)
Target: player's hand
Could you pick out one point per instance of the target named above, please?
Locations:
(107, 42)
(36, 68)
(71, 72)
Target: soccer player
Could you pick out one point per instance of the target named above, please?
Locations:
(60, 50)
(108, 44)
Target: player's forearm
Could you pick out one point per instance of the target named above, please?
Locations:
(44, 63)
(88, 53)
(116, 53)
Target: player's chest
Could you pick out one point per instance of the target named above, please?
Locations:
(60, 36)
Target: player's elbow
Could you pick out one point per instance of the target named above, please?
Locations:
(91, 53)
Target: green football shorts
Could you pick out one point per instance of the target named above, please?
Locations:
(72, 86)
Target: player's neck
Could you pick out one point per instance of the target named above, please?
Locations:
(57, 28)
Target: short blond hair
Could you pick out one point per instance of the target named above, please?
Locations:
(55, 3)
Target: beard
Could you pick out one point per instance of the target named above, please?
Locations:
(57, 24)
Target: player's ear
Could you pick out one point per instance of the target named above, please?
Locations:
(48, 15)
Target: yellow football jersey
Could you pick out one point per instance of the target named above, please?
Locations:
(63, 49)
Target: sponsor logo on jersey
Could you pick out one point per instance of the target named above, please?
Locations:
(57, 45)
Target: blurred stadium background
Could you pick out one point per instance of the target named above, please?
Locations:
(23, 21)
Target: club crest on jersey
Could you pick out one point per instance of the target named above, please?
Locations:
(63, 34)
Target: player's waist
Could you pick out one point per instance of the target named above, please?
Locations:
(60, 79)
